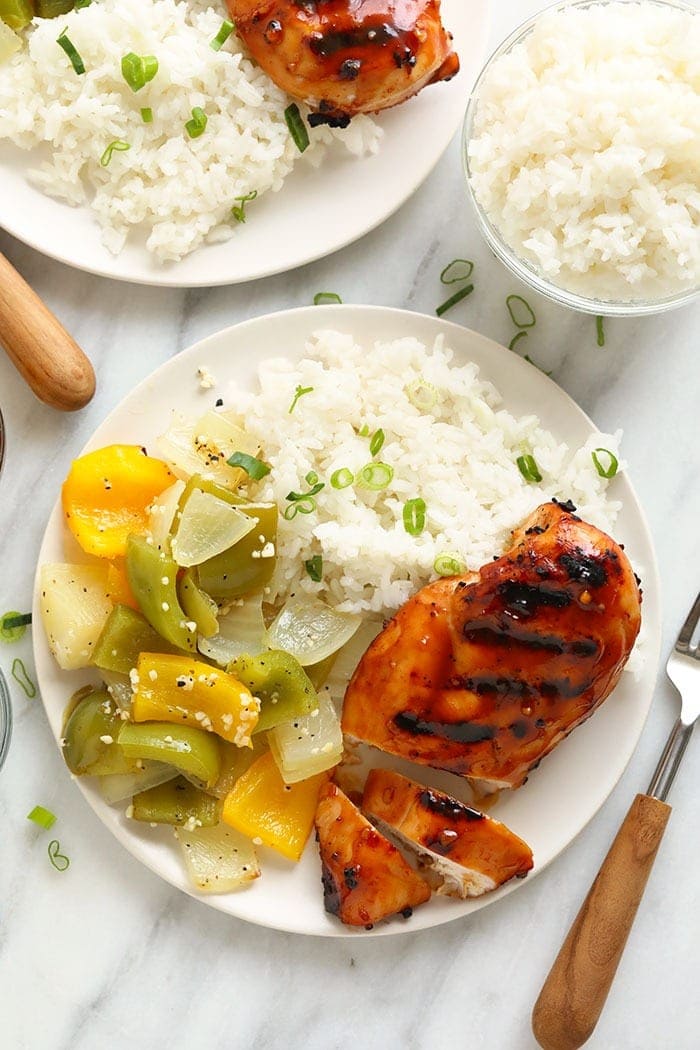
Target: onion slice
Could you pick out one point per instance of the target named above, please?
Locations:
(208, 526)
(241, 630)
(308, 745)
(311, 630)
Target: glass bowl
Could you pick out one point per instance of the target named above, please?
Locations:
(525, 270)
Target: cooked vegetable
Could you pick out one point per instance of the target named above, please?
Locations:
(310, 630)
(241, 630)
(119, 688)
(278, 680)
(153, 579)
(184, 691)
(126, 634)
(197, 606)
(218, 859)
(176, 802)
(189, 750)
(249, 565)
(162, 511)
(208, 526)
(262, 806)
(205, 445)
(235, 761)
(118, 590)
(52, 8)
(74, 609)
(90, 733)
(16, 14)
(197, 481)
(308, 745)
(106, 495)
(254, 468)
(10, 42)
(117, 788)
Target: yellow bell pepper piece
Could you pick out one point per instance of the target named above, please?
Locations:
(118, 588)
(176, 689)
(106, 494)
(261, 805)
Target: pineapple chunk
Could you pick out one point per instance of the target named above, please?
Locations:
(218, 859)
(74, 608)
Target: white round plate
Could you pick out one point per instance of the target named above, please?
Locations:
(570, 785)
(317, 212)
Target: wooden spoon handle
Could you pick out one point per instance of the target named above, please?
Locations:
(40, 348)
(577, 986)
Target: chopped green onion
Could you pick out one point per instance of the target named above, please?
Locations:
(20, 675)
(528, 468)
(238, 210)
(342, 478)
(448, 565)
(375, 445)
(297, 128)
(314, 567)
(316, 486)
(457, 270)
(375, 476)
(422, 395)
(531, 319)
(414, 516)
(75, 60)
(43, 817)
(80, 4)
(600, 331)
(138, 70)
(611, 470)
(526, 357)
(59, 861)
(222, 36)
(454, 299)
(363, 431)
(195, 127)
(516, 338)
(254, 468)
(117, 145)
(302, 505)
(13, 625)
(299, 392)
(325, 298)
(147, 115)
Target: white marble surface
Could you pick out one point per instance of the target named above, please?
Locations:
(108, 956)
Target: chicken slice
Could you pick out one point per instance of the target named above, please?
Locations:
(365, 878)
(484, 677)
(344, 57)
(468, 852)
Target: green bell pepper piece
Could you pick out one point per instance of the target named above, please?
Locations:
(175, 802)
(279, 680)
(152, 576)
(16, 13)
(91, 732)
(206, 485)
(192, 751)
(236, 572)
(198, 606)
(235, 761)
(53, 8)
(126, 634)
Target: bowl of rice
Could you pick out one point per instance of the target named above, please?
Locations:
(581, 150)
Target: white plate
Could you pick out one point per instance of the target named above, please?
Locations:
(317, 212)
(571, 784)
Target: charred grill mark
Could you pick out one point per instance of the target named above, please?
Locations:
(566, 505)
(525, 599)
(450, 808)
(535, 530)
(333, 120)
(511, 638)
(583, 569)
(519, 729)
(500, 685)
(326, 44)
(331, 893)
(460, 732)
(351, 876)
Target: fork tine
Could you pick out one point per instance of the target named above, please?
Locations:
(686, 631)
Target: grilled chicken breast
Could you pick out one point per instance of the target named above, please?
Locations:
(484, 677)
(468, 852)
(344, 57)
(365, 878)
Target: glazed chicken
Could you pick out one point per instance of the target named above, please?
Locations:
(365, 878)
(484, 676)
(466, 852)
(343, 57)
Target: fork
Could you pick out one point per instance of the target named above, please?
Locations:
(574, 993)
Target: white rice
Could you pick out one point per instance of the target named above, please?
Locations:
(460, 457)
(585, 150)
(179, 190)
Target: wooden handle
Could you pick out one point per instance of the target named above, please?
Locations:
(40, 348)
(577, 986)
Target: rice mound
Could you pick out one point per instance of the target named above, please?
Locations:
(585, 149)
(460, 457)
(180, 189)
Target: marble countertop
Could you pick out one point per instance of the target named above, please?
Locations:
(109, 956)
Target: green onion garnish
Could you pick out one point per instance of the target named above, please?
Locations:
(80, 4)
(299, 392)
(304, 505)
(363, 431)
(43, 817)
(311, 479)
(222, 36)
(518, 335)
(117, 145)
(58, 859)
(376, 442)
(238, 210)
(195, 127)
(375, 476)
(13, 625)
(526, 357)
(530, 321)
(454, 299)
(138, 70)
(325, 298)
(75, 60)
(342, 478)
(414, 516)
(147, 115)
(600, 331)
(528, 468)
(254, 468)
(314, 567)
(457, 270)
(297, 128)
(611, 470)
(20, 675)
(447, 565)
(422, 395)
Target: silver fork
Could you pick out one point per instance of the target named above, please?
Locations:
(574, 993)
